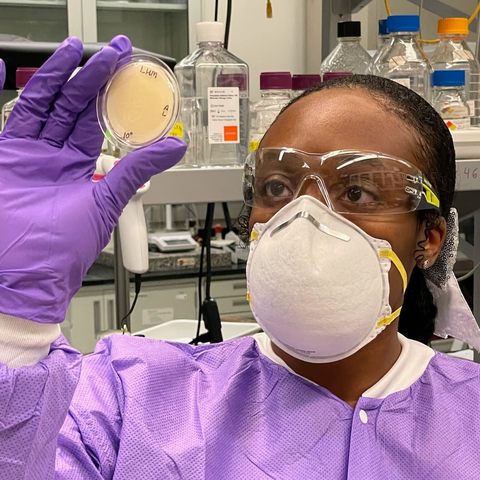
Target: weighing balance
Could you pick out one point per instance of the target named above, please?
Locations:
(172, 241)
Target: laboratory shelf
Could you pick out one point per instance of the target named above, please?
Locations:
(163, 7)
(202, 185)
(34, 3)
(223, 184)
(196, 185)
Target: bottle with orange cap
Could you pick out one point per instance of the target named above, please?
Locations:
(453, 53)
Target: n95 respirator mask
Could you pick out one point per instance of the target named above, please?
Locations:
(317, 283)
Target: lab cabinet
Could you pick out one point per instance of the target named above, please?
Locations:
(229, 288)
(92, 310)
(156, 304)
(85, 320)
(162, 26)
(39, 20)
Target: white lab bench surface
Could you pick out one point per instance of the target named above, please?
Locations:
(183, 331)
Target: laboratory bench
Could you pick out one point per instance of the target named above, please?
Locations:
(101, 275)
(165, 296)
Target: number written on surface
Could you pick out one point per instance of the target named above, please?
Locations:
(470, 173)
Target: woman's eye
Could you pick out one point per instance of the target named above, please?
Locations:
(357, 194)
(276, 188)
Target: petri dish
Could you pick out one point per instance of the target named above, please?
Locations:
(140, 102)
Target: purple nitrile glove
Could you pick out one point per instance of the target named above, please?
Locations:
(54, 221)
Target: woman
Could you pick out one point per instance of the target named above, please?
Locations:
(337, 232)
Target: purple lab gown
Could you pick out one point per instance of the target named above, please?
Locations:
(146, 409)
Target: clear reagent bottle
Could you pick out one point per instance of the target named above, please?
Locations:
(404, 61)
(275, 92)
(214, 111)
(449, 98)
(348, 55)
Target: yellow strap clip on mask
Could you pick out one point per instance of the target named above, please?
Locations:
(393, 257)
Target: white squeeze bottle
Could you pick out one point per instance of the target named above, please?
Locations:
(214, 110)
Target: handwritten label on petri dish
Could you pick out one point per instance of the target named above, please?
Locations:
(138, 109)
(148, 71)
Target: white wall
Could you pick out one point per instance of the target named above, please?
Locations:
(265, 44)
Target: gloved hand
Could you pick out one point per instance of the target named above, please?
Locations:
(54, 221)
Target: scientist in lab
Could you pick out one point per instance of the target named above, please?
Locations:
(352, 238)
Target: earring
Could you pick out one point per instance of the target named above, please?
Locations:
(425, 264)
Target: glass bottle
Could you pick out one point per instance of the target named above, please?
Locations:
(383, 39)
(301, 83)
(348, 55)
(275, 92)
(23, 75)
(453, 52)
(214, 112)
(404, 61)
(449, 98)
(334, 75)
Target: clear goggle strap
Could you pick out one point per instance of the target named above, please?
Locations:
(393, 257)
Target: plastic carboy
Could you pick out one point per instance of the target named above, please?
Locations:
(214, 112)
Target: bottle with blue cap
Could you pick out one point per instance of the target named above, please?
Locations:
(453, 53)
(404, 61)
(449, 98)
(383, 39)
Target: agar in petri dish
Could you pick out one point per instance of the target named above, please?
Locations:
(139, 104)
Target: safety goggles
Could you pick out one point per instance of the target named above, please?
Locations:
(351, 182)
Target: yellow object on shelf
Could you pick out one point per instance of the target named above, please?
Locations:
(177, 130)
(269, 9)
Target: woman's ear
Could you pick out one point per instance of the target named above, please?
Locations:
(430, 242)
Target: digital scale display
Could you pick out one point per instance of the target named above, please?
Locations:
(177, 242)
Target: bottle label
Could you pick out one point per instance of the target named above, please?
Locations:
(254, 145)
(402, 81)
(223, 115)
(458, 123)
(177, 130)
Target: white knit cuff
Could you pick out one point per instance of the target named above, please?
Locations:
(23, 342)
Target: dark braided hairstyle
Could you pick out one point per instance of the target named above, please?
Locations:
(435, 153)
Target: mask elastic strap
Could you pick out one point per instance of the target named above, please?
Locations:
(393, 257)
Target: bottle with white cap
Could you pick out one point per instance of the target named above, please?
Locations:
(214, 114)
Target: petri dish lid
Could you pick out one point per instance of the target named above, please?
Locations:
(139, 104)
